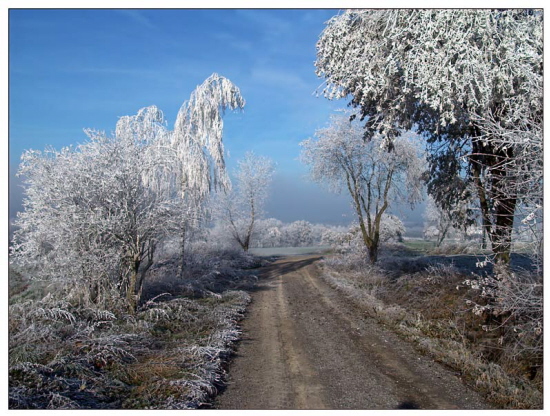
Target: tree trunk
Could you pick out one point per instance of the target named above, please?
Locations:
(373, 253)
(440, 239)
(483, 203)
(250, 228)
(182, 253)
(144, 268)
(502, 239)
(498, 193)
(131, 297)
(505, 203)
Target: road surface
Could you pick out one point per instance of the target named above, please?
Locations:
(306, 347)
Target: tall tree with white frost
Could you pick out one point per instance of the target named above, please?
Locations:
(340, 158)
(94, 214)
(199, 151)
(241, 208)
(470, 81)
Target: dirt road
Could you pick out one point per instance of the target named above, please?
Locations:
(305, 347)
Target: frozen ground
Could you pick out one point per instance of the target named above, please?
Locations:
(305, 346)
(288, 251)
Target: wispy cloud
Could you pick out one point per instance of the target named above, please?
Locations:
(266, 19)
(279, 78)
(234, 42)
(138, 17)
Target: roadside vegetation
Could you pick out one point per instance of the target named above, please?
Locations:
(439, 307)
(117, 297)
(170, 354)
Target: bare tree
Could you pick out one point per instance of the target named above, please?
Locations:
(374, 177)
(241, 208)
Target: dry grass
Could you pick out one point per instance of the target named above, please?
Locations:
(169, 355)
(430, 306)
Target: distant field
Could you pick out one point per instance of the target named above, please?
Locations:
(419, 245)
(288, 251)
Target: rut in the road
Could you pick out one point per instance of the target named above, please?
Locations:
(305, 347)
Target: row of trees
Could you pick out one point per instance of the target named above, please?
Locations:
(470, 83)
(272, 232)
(340, 157)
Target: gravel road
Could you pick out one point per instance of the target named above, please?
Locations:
(306, 347)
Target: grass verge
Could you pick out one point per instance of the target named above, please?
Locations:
(429, 308)
(171, 354)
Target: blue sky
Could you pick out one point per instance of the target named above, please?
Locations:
(71, 69)
(74, 69)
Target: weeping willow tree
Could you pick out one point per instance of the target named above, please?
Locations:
(197, 141)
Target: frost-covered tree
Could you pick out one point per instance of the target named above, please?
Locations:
(94, 214)
(269, 232)
(241, 208)
(332, 236)
(391, 228)
(469, 80)
(437, 222)
(350, 239)
(340, 158)
(525, 172)
(298, 234)
(317, 231)
(199, 156)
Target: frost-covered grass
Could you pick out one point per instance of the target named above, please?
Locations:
(448, 247)
(289, 251)
(169, 355)
(428, 305)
